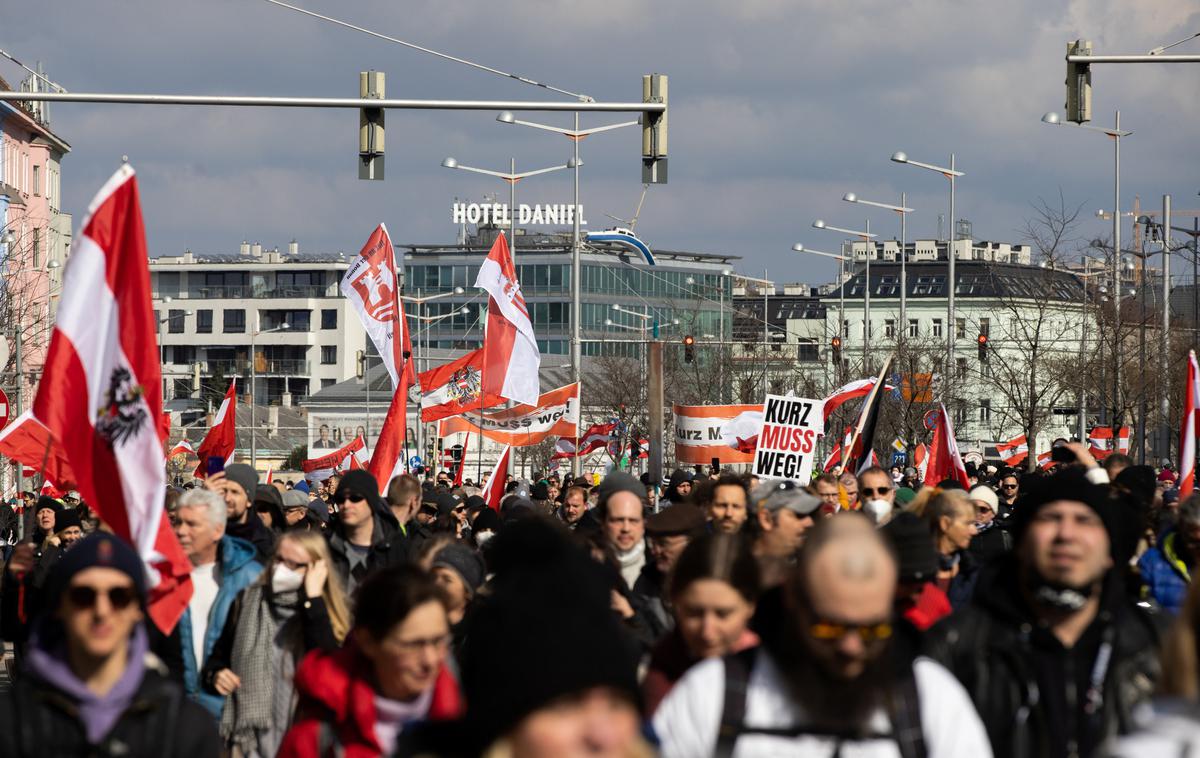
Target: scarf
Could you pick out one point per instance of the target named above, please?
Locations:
(256, 642)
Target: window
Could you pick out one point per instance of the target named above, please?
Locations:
(328, 355)
(175, 319)
(985, 411)
(37, 180)
(204, 321)
(985, 326)
(889, 328)
(914, 328)
(37, 247)
(937, 327)
(329, 318)
(960, 416)
(960, 328)
(235, 321)
(846, 329)
(807, 350)
(328, 383)
(960, 368)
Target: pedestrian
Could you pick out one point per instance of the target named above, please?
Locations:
(621, 512)
(992, 538)
(1056, 657)
(390, 674)
(89, 686)
(1010, 489)
(238, 484)
(724, 501)
(295, 606)
(669, 531)
(459, 572)
(362, 538)
(826, 679)
(268, 506)
(919, 601)
(849, 484)
(575, 513)
(679, 488)
(222, 566)
(1166, 569)
(878, 493)
(828, 491)
(714, 589)
(951, 519)
(782, 514)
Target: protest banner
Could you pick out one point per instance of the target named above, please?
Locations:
(787, 444)
(556, 414)
(698, 437)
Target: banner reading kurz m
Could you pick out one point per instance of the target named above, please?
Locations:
(787, 444)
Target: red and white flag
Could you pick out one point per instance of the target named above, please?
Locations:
(856, 389)
(944, 459)
(387, 459)
(27, 441)
(455, 388)
(333, 461)
(741, 431)
(1045, 460)
(49, 490)
(370, 285)
(493, 491)
(270, 478)
(101, 390)
(1188, 430)
(510, 352)
(1014, 451)
(833, 459)
(1100, 441)
(595, 438)
(222, 437)
(182, 447)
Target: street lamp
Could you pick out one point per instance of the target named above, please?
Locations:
(691, 282)
(903, 212)
(841, 259)
(763, 284)
(950, 173)
(420, 301)
(1115, 134)
(868, 238)
(253, 396)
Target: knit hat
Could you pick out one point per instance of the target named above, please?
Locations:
(986, 495)
(463, 561)
(776, 494)
(319, 508)
(45, 502)
(487, 521)
(361, 482)
(904, 495)
(475, 503)
(244, 476)
(540, 491)
(1069, 484)
(99, 549)
(681, 518)
(544, 582)
(1166, 475)
(619, 481)
(916, 556)
(67, 519)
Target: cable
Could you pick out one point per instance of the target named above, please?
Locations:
(465, 62)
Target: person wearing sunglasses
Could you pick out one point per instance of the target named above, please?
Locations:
(363, 537)
(89, 685)
(877, 492)
(829, 677)
(1010, 487)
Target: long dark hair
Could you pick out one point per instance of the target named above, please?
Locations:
(725, 557)
(389, 595)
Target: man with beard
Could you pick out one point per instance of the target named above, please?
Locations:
(1055, 656)
(827, 680)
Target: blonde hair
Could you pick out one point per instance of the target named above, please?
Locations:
(1181, 651)
(332, 593)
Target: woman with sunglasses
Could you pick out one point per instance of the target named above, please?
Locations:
(297, 606)
(89, 685)
(714, 588)
(391, 674)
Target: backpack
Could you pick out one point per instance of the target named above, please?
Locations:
(904, 711)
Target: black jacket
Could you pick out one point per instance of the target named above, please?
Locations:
(1009, 666)
(37, 719)
(256, 533)
(388, 548)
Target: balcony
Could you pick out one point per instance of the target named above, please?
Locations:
(265, 367)
(241, 292)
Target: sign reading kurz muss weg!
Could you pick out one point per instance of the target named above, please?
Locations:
(787, 444)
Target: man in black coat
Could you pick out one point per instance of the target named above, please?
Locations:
(363, 537)
(1053, 654)
(88, 687)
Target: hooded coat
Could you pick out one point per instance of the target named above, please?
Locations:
(388, 546)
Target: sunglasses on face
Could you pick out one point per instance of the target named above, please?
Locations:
(348, 496)
(1008, 486)
(832, 631)
(870, 491)
(82, 596)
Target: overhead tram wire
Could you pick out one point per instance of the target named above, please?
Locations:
(445, 56)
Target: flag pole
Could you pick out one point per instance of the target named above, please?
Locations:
(858, 427)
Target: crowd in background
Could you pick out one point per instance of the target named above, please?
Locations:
(1045, 613)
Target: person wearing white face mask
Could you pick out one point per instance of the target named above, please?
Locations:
(296, 606)
(877, 493)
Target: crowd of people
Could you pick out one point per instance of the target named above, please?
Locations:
(1045, 613)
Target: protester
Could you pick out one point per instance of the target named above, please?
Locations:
(783, 512)
(44, 515)
(1166, 569)
(723, 500)
(295, 509)
(1010, 487)
(992, 538)
(390, 674)
(574, 511)
(1054, 655)
(404, 498)
(238, 484)
(295, 607)
(918, 599)
(878, 493)
(222, 566)
(951, 520)
(714, 588)
(459, 572)
(670, 530)
(1115, 463)
(827, 491)
(850, 486)
(826, 680)
(486, 526)
(89, 686)
(620, 509)
(679, 488)
(268, 506)
(362, 539)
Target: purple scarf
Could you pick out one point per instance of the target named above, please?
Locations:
(97, 713)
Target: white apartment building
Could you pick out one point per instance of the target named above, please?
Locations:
(212, 307)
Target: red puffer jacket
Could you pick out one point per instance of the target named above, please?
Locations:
(335, 690)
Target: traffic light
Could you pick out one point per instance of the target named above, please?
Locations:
(835, 347)
(1079, 84)
(689, 349)
(370, 126)
(360, 364)
(982, 343)
(654, 131)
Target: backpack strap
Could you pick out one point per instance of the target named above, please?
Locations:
(733, 711)
(328, 743)
(904, 710)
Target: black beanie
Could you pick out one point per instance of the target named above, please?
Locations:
(1069, 484)
(361, 483)
(45, 502)
(1140, 482)
(916, 556)
(549, 631)
(100, 549)
(66, 519)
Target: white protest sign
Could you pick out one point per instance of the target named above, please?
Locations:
(787, 443)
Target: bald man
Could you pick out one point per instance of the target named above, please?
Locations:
(830, 677)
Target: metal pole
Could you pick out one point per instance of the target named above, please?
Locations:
(654, 463)
(420, 355)
(1118, 414)
(253, 423)
(20, 338)
(1141, 421)
(721, 348)
(903, 261)
(951, 324)
(512, 225)
(576, 302)
(842, 331)
(870, 247)
(1083, 349)
(1165, 344)
(766, 333)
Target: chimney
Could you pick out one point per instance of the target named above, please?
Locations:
(256, 249)
(245, 248)
(293, 248)
(285, 400)
(272, 421)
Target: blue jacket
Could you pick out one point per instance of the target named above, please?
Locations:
(237, 570)
(1165, 574)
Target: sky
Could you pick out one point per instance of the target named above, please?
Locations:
(776, 110)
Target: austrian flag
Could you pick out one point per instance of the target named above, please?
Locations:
(510, 353)
(101, 390)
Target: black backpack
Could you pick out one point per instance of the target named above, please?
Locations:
(904, 712)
